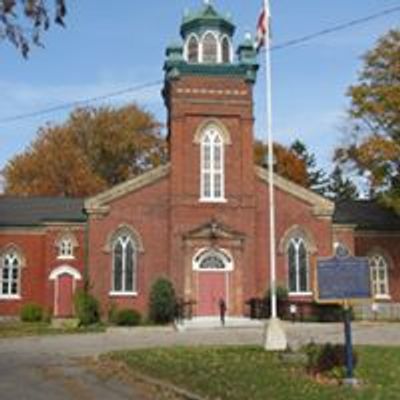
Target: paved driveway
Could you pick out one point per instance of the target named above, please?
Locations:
(40, 368)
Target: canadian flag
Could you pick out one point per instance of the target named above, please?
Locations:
(263, 26)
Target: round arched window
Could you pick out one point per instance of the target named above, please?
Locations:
(210, 49)
(213, 260)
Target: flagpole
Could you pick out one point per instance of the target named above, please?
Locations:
(272, 238)
(275, 337)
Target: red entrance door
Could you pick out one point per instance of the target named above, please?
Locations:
(64, 296)
(212, 287)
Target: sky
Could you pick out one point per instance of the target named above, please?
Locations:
(110, 46)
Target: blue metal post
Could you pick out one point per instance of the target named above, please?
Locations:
(349, 343)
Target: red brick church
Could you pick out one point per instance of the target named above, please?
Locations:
(201, 220)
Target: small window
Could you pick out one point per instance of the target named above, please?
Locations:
(298, 266)
(193, 50)
(66, 248)
(379, 276)
(10, 275)
(124, 279)
(226, 50)
(210, 49)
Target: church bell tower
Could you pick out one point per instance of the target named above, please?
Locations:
(209, 97)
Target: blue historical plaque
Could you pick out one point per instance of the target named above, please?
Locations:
(343, 278)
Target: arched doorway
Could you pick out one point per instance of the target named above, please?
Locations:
(64, 279)
(213, 267)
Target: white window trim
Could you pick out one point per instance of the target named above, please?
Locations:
(10, 297)
(186, 50)
(122, 294)
(60, 257)
(212, 198)
(382, 297)
(300, 294)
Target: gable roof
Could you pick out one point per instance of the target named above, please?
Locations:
(366, 215)
(99, 203)
(36, 211)
(321, 205)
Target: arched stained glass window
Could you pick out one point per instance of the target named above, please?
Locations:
(210, 48)
(379, 275)
(298, 266)
(124, 265)
(212, 165)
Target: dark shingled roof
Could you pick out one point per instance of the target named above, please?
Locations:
(368, 215)
(34, 211)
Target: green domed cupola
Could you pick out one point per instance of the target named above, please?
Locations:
(207, 36)
(207, 47)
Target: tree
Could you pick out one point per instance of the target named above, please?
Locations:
(22, 22)
(373, 149)
(96, 148)
(287, 163)
(341, 188)
(317, 179)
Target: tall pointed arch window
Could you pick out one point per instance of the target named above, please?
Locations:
(212, 166)
(298, 263)
(193, 50)
(226, 50)
(124, 274)
(210, 48)
(10, 274)
(379, 275)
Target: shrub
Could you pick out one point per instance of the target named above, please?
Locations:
(327, 358)
(162, 301)
(31, 313)
(127, 317)
(112, 313)
(86, 308)
(282, 293)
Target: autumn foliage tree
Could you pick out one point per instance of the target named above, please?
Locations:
(287, 163)
(22, 22)
(373, 146)
(93, 150)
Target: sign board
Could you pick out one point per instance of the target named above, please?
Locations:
(343, 278)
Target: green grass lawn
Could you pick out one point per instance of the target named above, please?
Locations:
(249, 373)
(21, 329)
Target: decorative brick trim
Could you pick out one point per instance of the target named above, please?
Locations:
(294, 232)
(321, 206)
(121, 230)
(212, 91)
(11, 247)
(210, 122)
(98, 204)
(374, 233)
